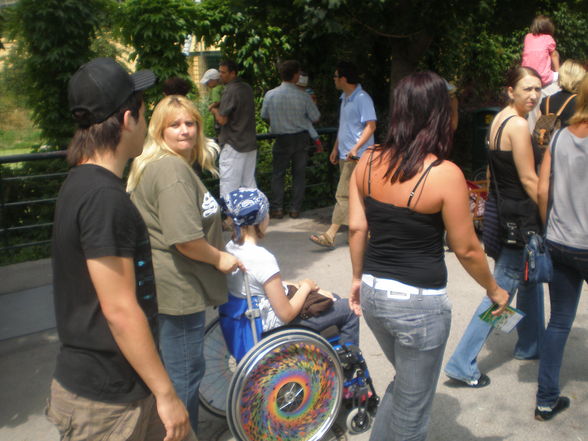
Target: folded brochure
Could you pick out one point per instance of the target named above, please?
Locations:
(506, 321)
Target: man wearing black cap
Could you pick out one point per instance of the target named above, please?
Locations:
(109, 380)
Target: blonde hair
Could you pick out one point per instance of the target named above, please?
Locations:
(204, 152)
(571, 73)
(581, 114)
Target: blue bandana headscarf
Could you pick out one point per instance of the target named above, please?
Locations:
(245, 206)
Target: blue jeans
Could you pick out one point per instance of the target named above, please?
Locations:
(341, 316)
(570, 269)
(508, 272)
(412, 332)
(181, 342)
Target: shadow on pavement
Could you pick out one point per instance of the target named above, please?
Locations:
(27, 365)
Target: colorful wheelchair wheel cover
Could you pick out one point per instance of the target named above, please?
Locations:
(289, 387)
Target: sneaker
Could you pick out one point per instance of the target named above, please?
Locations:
(545, 413)
(482, 381)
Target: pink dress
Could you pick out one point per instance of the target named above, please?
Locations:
(537, 51)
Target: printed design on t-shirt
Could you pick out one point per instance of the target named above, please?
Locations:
(209, 205)
(144, 278)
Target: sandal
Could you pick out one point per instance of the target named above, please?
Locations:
(322, 240)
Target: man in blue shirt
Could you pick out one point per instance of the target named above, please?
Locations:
(291, 113)
(357, 123)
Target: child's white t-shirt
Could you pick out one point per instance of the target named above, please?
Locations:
(261, 266)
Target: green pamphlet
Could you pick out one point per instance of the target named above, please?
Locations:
(506, 321)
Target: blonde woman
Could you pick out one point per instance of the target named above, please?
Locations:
(184, 223)
(571, 74)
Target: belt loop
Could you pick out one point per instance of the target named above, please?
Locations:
(420, 295)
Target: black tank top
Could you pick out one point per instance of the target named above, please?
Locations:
(515, 204)
(404, 245)
(507, 176)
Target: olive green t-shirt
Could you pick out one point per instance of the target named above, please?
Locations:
(177, 208)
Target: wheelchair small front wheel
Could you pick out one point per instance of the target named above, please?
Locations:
(358, 421)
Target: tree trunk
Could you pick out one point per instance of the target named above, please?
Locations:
(406, 56)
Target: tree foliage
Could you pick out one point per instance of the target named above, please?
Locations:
(256, 33)
(571, 31)
(156, 30)
(54, 37)
(471, 43)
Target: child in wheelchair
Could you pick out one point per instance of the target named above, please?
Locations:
(248, 210)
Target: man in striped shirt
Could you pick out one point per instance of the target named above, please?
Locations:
(291, 113)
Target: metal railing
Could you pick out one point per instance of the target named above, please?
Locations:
(28, 230)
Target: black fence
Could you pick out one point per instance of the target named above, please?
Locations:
(29, 184)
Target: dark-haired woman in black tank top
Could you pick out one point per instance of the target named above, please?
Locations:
(514, 163)
(405, 193)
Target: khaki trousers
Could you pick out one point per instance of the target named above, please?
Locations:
(81, 419)
(341, 211)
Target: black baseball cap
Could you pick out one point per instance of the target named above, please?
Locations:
(101, 86)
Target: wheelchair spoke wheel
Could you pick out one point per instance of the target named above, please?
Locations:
(290, 397)
(220, 366)
(288, 387)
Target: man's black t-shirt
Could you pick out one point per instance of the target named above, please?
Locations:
(94, 217)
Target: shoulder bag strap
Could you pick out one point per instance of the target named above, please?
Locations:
(547, 104)
(497, 140)
(551, 174)
(498, 137)
(564, 105)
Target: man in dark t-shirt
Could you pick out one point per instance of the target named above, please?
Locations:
(236, 115)
(108, 368)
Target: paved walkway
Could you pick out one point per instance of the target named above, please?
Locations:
(502, 411)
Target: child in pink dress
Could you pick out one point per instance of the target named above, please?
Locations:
(539, 50)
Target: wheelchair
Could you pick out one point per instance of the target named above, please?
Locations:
(293, 384)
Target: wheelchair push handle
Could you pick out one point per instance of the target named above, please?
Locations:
(252, 311)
